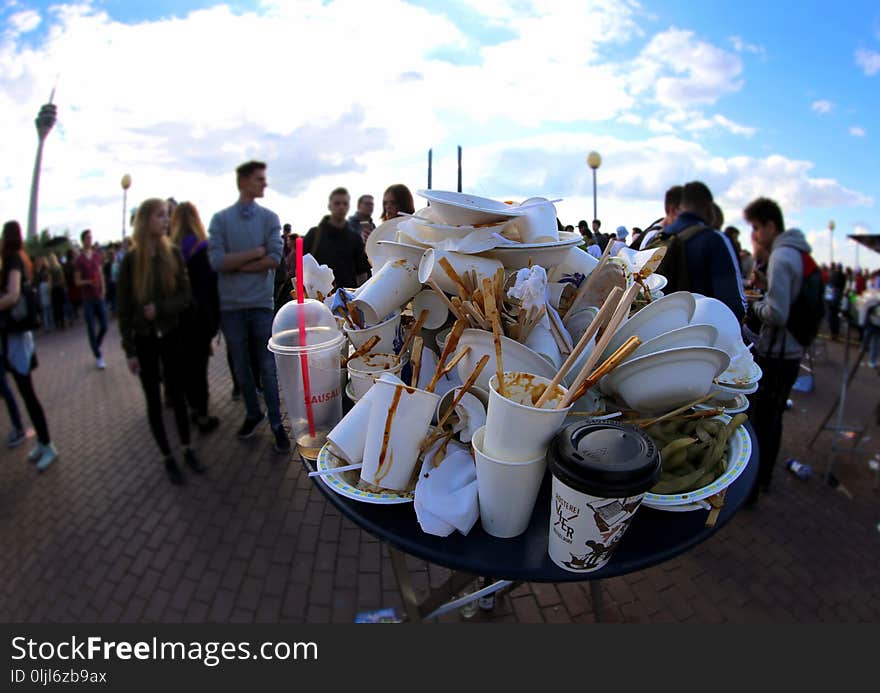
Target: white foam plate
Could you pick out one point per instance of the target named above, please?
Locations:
(461, 208)
(514, 356)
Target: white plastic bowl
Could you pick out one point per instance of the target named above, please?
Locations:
(664, 380)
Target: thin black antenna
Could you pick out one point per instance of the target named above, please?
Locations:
(430, 153)
(459, 168)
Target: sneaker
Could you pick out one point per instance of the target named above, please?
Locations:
(50, 454)
(100, 363)
(208, 424)
(36, 453)
(193, 462)
(15, 438)
(282, 442)
(249, 427)
(174, 474)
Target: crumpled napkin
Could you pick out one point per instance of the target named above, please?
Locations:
(446, 496)
(316, 278)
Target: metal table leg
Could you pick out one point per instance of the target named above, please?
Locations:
(407, 593)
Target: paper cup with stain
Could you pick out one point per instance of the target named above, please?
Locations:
(389, 331)
(394, 285)
(400, 418)
(349, 437)
(506, 490)
(516, 430)
(365, 370)
(601, 471)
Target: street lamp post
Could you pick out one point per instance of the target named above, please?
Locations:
(126, 184)
(831, 241)
(594, 161)
(45, 121)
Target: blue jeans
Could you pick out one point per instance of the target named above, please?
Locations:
(242, 328)
(95, 308)
(6, 393)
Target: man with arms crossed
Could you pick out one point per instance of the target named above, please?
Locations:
(244, 248)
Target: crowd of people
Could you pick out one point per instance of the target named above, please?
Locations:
(175, 283)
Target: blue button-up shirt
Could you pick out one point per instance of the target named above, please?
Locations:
(243, 227)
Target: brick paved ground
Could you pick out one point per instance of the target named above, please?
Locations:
(102, 535)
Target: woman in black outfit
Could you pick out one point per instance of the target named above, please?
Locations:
(203, 319)
(18, 352)
(153, 298)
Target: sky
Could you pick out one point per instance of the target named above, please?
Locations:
(754, 99)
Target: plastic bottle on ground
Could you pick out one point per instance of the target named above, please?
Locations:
(799, 469)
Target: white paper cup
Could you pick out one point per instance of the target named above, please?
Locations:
(349, 436)
(430, 269)
(389, 331)
(541, 341)
(400, 418)
(575, 267)
(392, 286)
(516, 431)
(365, 370)
(428, 300)
(506, 490)
(538, 223)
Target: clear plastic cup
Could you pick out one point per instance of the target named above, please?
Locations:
(309, 371)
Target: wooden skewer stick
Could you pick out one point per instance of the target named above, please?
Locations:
(477, 317)
(340, 312)
(607, 335)
(680, 410)
(606, 367)
(717, 502)
(363, 348)
(462, 391)
(453, 362)
(499, 286)
(609, 364)
(449, 304)
(420, 322)
(492, 315)
(448, 348)
(591, 279)
(606, 310)
(454, 277)
(416, 361)
(352, 311)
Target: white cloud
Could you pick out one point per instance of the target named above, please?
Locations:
(23, 22)
(822, 106)
(869, 61)
(740, 46)
(681, 70)
(857, 131)
(701, 124)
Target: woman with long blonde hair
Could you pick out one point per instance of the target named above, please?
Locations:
(203, 320)
(154, 295)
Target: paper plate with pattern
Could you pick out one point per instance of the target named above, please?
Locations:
(345, 483)
(739, 451)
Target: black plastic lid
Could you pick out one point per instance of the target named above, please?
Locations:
(605, 459)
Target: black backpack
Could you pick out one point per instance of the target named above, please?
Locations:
(808, 308)
(674, 265)
(25, 314)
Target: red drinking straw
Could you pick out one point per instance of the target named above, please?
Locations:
(303, 358)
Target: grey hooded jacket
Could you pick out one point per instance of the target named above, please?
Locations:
(785, 275)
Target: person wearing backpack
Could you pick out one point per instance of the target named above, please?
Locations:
(786, 320)
(697, 256)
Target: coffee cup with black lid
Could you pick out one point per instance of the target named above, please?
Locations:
(601, 471)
